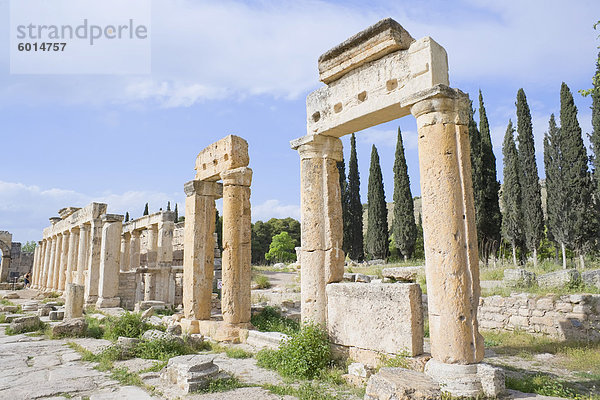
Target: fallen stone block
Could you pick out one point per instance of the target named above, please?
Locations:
(155, 334)
(262, 340)
(174, 330)
(30, 306)
(359, 369)
(127, 345)
(403, 274)
(44, 310)
(70, 327)
(362, 278)
(191, 372)
(376, 262)
(144, 305)
(12, 317)
(518, 277)
(10, 296)
(57, 315)
(560, 278)
(349, 277)
(401, 384)
(25, 324)
(10, 309)
(591, 278)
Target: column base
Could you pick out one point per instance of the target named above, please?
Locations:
(217, 330)
(470, 380)
(91, 300)
(109, 302)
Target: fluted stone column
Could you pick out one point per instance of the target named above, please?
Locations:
(125, 250)
(110, 255)
(164, 257)
(35, 267)
(53, 255)
(40, 265)
(57, 261)
(134, 260)
(198, 247)
(322, 230)
(72, 255)
(449, 231)
(82, 253)
(93, 268)
(64, 255)
(45, 273)
(236, 273)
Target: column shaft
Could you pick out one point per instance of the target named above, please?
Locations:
(125, 250)
(34, 267)
(47, 251)
(64, 255)
(110, 254)
(134, 260)
(72, 256)
(450, 236)
(93, 269)
(52, 262)
(82, 254)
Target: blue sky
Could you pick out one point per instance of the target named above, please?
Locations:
(245, 68)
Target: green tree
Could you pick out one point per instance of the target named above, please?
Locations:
(489, 216)
(355, 210)
(29, 247)
(289, 225)
(127, 216)
(475, 144)
(146, 209)
(176, 214)
(281, 248)
(219, 229)
(341, 165)
(168, 206)
(511, 193)
(533, 224)
(261, 238)
(556, 204)
(404, 228)
(377, 227)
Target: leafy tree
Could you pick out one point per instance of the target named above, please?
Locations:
(261, 238)
(29, 247)
(127, 216)
(511, 193)
(176, 213)
(404, 229)
(533, 225)
(377, 227)
(355, 210)
(489, 216)
(146, 209)
(281, 248)
(344, 197)
(289, 225)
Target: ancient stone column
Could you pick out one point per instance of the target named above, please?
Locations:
(125, 247)
(64, 255)
(449, 231)
(134, 260)
(39, 265)
(164, 257)
(93, 264)
(34, 266)
(53, 256)
(322, 229)
(149, 286)
(74, 301)
(198, 244)
(57, 261)
(4, 266)
(82, 253)
(236, 274)
(72, 255)
(110, 255)
(152, 237)
(47, 251)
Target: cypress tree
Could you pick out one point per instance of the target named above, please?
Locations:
(355, 212)
(490, 219)
(146, 209)
(556, 204)
(127, 216)
(403, 226)
(533, 225)
(176, 214)
(511, 193)
(168, 206)
(595, 135)
(475, 143)
(575, 174)
(377, 227)
(347, 238)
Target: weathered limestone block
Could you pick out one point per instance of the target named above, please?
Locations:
(403, 274)
(228, 153)
(591, 278)
(155, 334)
(514, 277)
(401, 384)
(74, 301)
(25, 323)
(110, 255)
(92, 275)
(470, 380)
(381, 317)
(261, 340)
(56, 315)
(559, 278)
(190, 373)
(70, 327)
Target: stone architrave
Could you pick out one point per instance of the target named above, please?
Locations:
(321, 228)
(82, 253)
(108, 287)
(74, 301)
(236, 272)
(64, 255)
(198, 253)
(93, 264)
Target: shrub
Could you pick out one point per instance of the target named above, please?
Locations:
(270, 320)
(262, 281)
(129, 325)
(161, 349)
(303, 355)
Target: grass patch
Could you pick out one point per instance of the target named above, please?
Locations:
(128, 325)
(6, 302)
(161, 349)
(125, 377)
(3, 319)
(262, 281)
(156, 367)
(236, 352)
(398, 361)
(271, 320)
(306, 391)
(491, 274)
(546, 385)
(223, 385)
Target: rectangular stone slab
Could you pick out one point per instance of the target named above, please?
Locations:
(228, 153)
(385, 317)
(385, 37)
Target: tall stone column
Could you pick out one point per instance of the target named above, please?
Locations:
(125, 247)
(449, 231)
(134, 260)
(322, 228)
(40, 265)
(35, 267)
(82, 253)
(152, 252)
(45, 273)
(64, 255)
(53, 258)
(93, 269)
(164, 257)
(72, 255)
(110, 255)
(198, 248)
(149, 286)
(4, 266)
(236, 273)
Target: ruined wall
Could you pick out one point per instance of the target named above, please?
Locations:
(127, 289)
(21, 262)
(568, 317)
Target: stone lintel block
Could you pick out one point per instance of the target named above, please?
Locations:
(378, 91)
(147, 221)
(228, 153)
(384, 37)
(318, 146)
(379, 316)
(82, 216)
(65, 212)
(239, 176)
(405, 274)
(112, 218)
(202, 188)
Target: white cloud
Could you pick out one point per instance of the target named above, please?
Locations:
(274, 209)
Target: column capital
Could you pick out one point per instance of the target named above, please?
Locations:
(74, 229)
(136, 233)
(203, 188)
(318, 146)
(239, 177)
(441, 108)
(84, 228)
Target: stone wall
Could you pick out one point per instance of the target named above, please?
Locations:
(20, 262)
(127, 289)
(568, 317)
